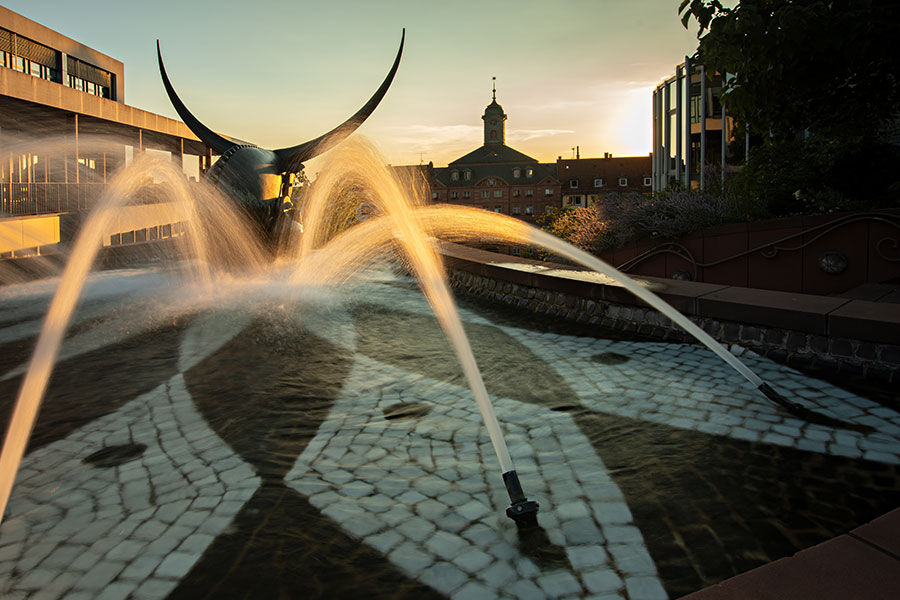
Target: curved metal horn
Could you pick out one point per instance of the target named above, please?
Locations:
(206, 135)
(291, 159)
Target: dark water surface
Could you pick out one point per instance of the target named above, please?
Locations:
(708, 507)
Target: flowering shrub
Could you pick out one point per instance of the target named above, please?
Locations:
(620, 218)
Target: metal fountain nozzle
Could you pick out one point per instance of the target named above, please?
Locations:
(521, 510)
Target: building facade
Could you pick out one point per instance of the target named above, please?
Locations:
(57, 97)
(585, 181)
(501, 179)
(691, 129)
(64, 131)
(497, 177)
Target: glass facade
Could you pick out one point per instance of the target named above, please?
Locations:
(688, 124)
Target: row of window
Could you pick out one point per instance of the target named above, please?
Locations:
(516, 209)
(23, 65)
(497, 194)
(467, 174)
(88, 87)
(36, 69)
(598, 182)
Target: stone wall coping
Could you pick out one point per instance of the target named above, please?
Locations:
(863, 320)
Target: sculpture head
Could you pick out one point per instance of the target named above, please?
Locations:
(257, 179)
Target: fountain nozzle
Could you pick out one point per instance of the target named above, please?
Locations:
(521, 510)
(780, 400)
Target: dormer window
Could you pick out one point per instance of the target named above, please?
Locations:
(647, 181)
(517, 173)
(573, 184)
(529, 173)
(454, 175)
(467, 175)
(598, 182)
(623, 182)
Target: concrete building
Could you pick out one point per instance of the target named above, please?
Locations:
(688, 125)
(57, 97)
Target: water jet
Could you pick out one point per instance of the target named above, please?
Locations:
(391, 446)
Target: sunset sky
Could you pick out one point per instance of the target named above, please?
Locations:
(276, 73)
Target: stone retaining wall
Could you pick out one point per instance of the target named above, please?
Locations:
(876, 361)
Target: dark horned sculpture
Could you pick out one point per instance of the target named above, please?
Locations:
(257, 179)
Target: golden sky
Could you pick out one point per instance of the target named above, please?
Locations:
(276, 73)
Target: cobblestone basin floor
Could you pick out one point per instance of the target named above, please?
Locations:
(244, 471)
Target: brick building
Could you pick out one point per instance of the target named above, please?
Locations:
(585, 180)
(496, 177)
(499, 178)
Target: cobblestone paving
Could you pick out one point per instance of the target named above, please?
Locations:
(424, 491)
(132, 529)
(401, 462)
(686, 386)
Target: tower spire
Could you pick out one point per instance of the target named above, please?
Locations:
(494, 80)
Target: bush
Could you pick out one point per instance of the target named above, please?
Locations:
(620, 218)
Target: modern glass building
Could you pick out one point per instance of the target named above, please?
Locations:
(688, 124)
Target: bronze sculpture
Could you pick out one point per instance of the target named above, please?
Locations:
(258, 179)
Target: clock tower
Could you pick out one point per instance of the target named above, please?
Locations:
(494, 119)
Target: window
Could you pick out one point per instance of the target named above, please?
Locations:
(548, 192)
(695, 103)
(647, 181)
(516, 251)
(516, 193)
(623, 181)
(485, 194)
(573, 184)
(517, 173)
(467, 194)
(598, 182)
(498, 209)
(516, 209)
(454, 175)
(454, 195)
(529, 192)
(498, 193)
(529, 173)
(576, 200)
(491, 181)
(467, 175)
(434, 195)
(529, 209)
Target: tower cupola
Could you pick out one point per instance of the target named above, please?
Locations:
(494, 121)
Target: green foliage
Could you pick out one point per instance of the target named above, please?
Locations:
(830, 68)
(816, 81)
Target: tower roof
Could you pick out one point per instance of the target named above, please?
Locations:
(493, 108)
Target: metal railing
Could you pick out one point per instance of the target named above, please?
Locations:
(19, 199)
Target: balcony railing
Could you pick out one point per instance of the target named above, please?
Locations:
(19, 199)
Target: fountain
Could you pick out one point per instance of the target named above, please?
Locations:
(235, 275)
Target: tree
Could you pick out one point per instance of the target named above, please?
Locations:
(816, 82)
(826, 67)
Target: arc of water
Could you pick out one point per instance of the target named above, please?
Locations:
(120, 190)
(399, 222)
(466, 221)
